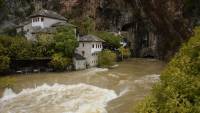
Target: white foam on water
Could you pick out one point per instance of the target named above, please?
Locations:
(8, 93)
(113, 75)
(93, 71)
(148, 79)
(114, 66)
(123, 92)
(80, 98)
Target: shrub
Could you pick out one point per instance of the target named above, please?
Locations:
(59, 63)
(107, 58)
(124, 52)
(44, 45)
(179, 88)
(19, 48)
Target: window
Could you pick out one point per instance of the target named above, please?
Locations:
(42, 19)
(83, 44)
(92, 45)
(83, 53)
(96, 45)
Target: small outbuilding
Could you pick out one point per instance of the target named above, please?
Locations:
(79, 62)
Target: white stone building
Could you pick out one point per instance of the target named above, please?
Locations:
(89, 48)
(43, 20)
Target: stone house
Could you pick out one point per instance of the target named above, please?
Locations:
(46, 22)
(89, 47)
(41, 21)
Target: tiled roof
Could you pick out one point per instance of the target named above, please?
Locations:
(28, 21)
(48, 13)
(90, 38)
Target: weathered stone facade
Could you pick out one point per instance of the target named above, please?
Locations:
(90, 49)
(79, 62)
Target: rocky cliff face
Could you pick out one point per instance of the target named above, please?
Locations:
(155, 28)
(166, 23)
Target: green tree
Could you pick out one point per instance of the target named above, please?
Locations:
(85, 25)
(4, 63)
(179, 88)
(113, 41)
(44, 45)
(106, 58)
(20, 48)
(65, 41)
(59, 62)
(4, 59)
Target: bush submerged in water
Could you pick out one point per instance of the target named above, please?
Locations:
(179, 89)
(107, 58)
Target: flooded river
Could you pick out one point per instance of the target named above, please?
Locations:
(94, 90)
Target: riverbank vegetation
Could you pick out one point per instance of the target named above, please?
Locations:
(124, 52)
(179, 88)
(63, 42)
(58, 46)
(107, 58)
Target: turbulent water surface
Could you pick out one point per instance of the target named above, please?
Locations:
(89, 91)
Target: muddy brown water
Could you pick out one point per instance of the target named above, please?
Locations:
(94, 90)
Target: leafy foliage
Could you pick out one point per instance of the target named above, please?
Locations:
(111, 40)
(179, 89)
(59, 62)
(65, 41)
(20, 48)
(107, 58)
(85, 25)
(124, 52)
(44, 46)
(4, 63)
